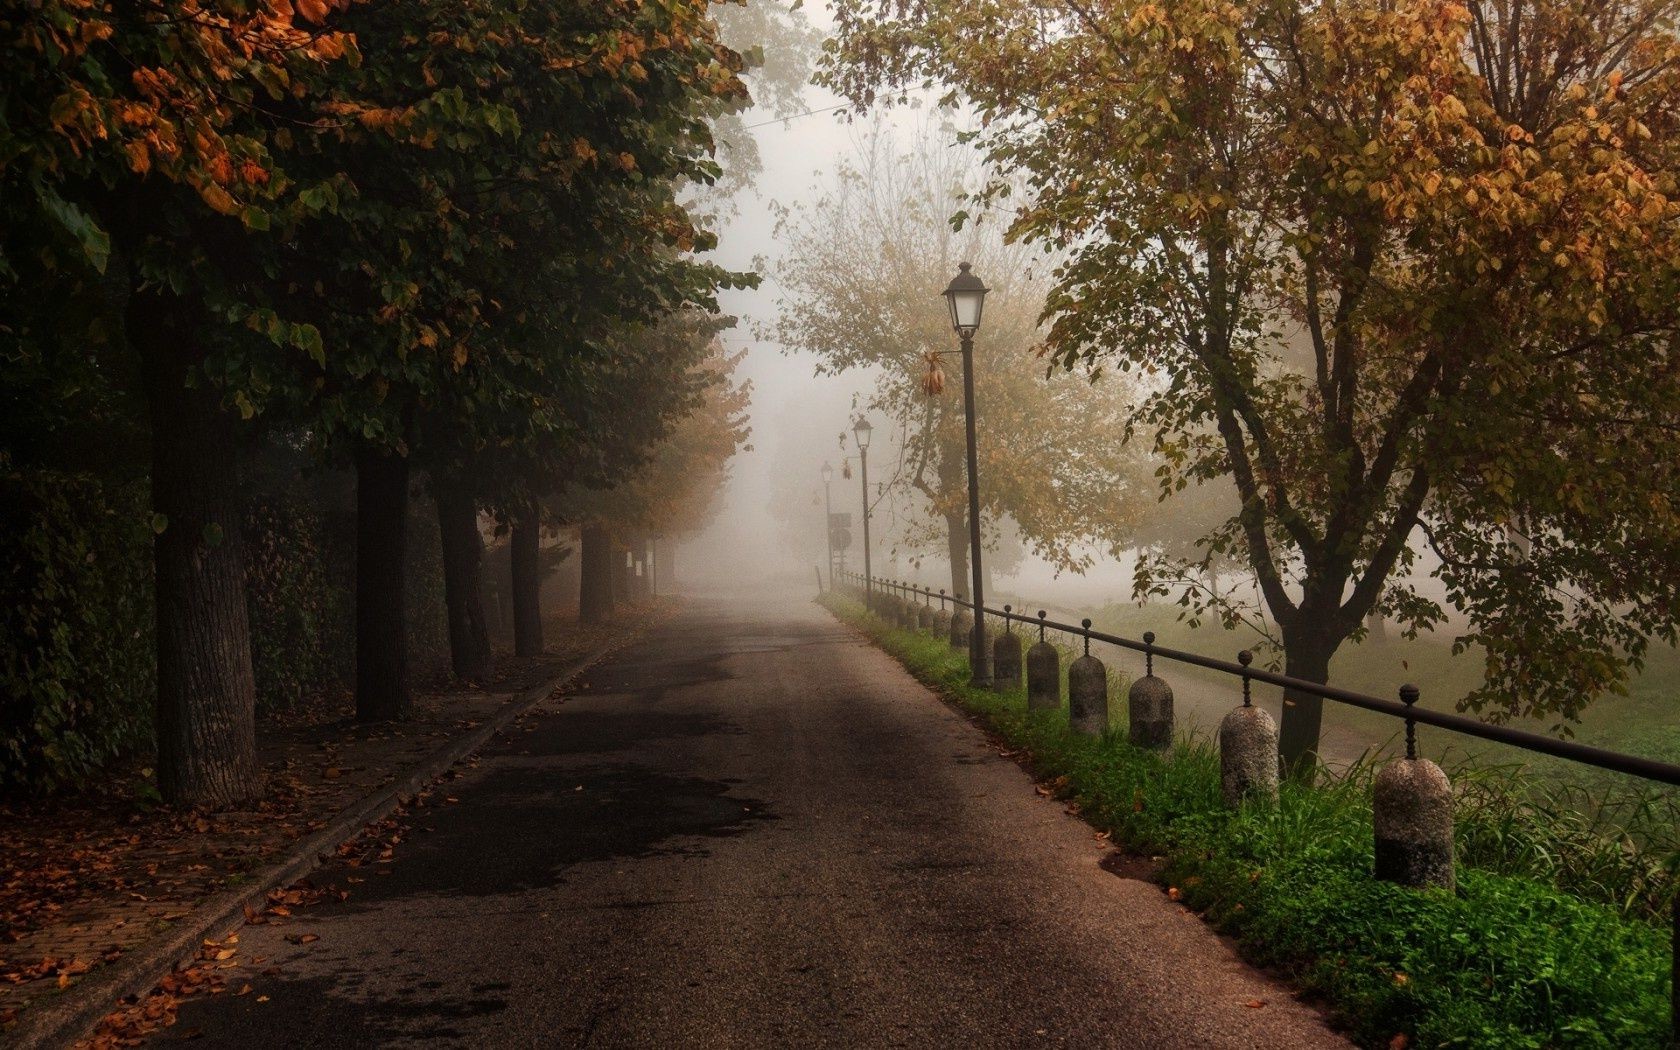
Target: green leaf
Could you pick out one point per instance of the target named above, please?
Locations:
(95, 242)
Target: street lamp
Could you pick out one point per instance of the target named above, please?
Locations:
(861, 430)
(966, 296)
(828, 520)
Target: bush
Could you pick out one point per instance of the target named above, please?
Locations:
(300, 610)
(76, 650)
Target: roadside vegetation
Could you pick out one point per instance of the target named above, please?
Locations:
(1551, 938)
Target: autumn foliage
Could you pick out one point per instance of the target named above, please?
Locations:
(1404, 272)
(404, 238)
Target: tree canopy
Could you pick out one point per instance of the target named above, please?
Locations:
(1400, 270)
(865, 265)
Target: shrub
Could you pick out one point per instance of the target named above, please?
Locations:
(76, 649)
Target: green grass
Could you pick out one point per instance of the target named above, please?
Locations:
(1513, 958)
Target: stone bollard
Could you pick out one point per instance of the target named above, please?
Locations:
(962, 621)
(1044, 674)
(1411, 806)
(942, 618)
(912, 615)
(1088, 693)
(1248, 750)
(1149, 706)
(1006, 658)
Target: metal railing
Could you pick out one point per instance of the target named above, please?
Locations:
(1405, 709)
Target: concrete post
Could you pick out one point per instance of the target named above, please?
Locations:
(962, 621)
(1006, 658)
(1149, 705)
(1088, 692)
(942, 618)
(1044, 674)
(1248, 750)
(1412, 816)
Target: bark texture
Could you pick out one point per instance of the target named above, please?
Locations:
(206, 694)
(595, 586)
(527, 587)
(463, 579)
(1306, 656)
(382, 693)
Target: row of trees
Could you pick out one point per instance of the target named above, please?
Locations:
(1407, 274)
(408, 239)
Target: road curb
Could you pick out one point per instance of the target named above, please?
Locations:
(63, 1021)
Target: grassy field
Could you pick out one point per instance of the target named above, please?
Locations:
(1532, 950)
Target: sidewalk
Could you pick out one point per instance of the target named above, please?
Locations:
(88, 883)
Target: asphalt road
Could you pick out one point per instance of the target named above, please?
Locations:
(750, 829)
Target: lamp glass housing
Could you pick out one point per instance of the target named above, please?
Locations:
(966, 296)
(862, 431)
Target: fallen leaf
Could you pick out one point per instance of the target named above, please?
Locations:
(1255, 1004)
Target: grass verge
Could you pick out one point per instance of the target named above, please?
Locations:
(1508, 960)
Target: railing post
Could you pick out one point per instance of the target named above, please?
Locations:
(1149, 705)
(1412, 816)
(1006, 655)
(1088, 691)
(1044, 673)
(1248, 749)
(962, 621)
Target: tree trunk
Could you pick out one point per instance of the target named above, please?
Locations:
(463, 579)
(527, 586)
(1306, 656)
(595, 597)
(621, 573)
(956, 543)
(381, 545)
(206, 693)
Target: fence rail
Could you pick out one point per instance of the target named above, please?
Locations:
(1404, 710)
(1407, 712)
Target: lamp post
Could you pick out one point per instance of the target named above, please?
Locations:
(861, 430)
(966, 296)
(828, 520)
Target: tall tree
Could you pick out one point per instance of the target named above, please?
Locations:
(499, 196)
(863, 269)
(1410, 271)
(141, 137)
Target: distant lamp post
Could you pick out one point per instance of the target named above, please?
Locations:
(966, 296)
(862, 430)
(828, 520)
